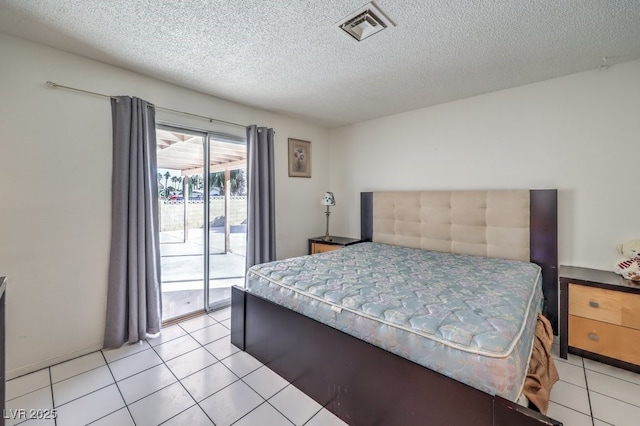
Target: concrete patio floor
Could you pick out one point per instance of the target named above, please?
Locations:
(182, 266)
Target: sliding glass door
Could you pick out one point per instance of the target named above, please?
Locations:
(202, 205)
(227, 219)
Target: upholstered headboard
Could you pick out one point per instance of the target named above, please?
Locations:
(509, 224)
(483, 223)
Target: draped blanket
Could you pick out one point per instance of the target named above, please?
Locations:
(542, 372)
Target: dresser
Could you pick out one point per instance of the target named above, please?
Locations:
(319, 245)
(600, 317)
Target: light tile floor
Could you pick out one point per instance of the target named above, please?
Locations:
(192, 375)
(591, 393)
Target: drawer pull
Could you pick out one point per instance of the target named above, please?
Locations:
(594, 337)
(594, 304)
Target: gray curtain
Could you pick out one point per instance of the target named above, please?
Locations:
(134, 303)
(261, 224)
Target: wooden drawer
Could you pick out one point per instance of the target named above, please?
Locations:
(321, 248)
(606, 339)
(609, 306)
(595, 303)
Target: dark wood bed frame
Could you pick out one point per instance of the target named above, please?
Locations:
(365, 385)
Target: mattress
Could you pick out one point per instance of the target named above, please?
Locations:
(470, 318)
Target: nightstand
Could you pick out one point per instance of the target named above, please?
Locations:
(319, 245)
(600, 317)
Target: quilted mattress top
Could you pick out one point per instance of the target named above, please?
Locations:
(475, 304)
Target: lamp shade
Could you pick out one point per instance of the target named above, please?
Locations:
(328, 199)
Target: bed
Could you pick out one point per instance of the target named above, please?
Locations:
(387, 360)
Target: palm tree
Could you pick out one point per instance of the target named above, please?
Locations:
(216, 180)
(193, 180)
(167, 175)
(174, 179)
(160, 192)
(238, 182)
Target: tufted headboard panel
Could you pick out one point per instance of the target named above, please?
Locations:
(482, 223)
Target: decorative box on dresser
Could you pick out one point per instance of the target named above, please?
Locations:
(319, 245)
(600, 317)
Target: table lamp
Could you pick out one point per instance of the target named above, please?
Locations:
(328, 200)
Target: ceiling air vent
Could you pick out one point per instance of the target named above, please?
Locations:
(365, 22)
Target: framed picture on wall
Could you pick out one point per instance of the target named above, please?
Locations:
(299, 158)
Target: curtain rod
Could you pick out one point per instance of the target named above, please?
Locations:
(175, 111)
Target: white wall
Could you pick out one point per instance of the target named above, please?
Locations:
(580, 134)
(55, 161)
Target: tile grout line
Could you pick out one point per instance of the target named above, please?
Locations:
(107, 363)
(605, 395)
(196, 403)
(93, 391)
(81, 396)
(590, 415)
(240, 379)
(617, 399)
(265, 400)
(586, 388)
(53, 401)
(614, 376)
(51, 383)
(30, 392)
(250, 411)
(87, 394)
(268, 400)
(163, 362)
(586, 383)
(115, 382)
(200, 345)
(571, 408)
(315, 414)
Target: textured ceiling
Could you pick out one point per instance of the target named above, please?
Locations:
(287, 56)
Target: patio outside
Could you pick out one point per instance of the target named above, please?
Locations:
(182, 198)
(182, 264)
